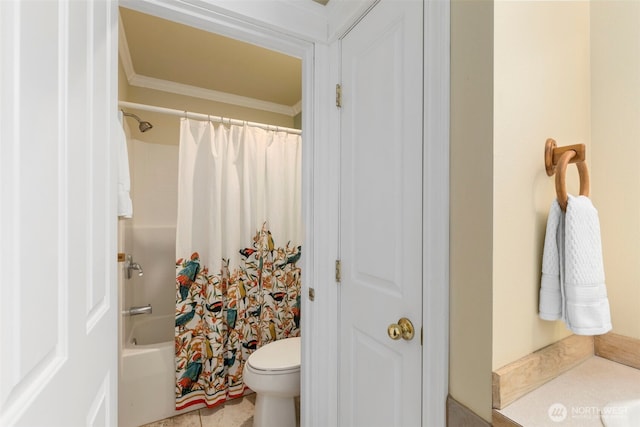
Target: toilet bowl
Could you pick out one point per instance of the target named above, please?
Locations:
(273, 372)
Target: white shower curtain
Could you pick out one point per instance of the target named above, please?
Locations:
(238, 242)
(231, 180)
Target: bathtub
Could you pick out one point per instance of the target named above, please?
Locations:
(147, 373)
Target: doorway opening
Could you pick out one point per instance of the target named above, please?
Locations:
(167, 64)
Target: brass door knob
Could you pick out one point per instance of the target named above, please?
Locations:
(403, 329)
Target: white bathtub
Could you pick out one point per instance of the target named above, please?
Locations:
(147, 373)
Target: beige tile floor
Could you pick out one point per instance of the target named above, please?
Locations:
(580, 393)
(234, 413)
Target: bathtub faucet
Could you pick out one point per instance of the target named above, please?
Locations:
(133, 311)
(130, 266)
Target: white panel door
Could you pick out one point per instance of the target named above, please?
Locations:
(58, 312)
(381, 217)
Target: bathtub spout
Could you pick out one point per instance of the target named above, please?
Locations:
(133, 311)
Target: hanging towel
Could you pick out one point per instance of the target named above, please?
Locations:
(572, 286)
(125, 207)
(550, 289)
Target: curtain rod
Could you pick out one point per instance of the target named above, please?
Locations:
(200, 116)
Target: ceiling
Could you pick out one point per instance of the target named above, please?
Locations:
(169, 52)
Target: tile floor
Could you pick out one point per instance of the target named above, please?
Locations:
(579, 392)
(234, 413)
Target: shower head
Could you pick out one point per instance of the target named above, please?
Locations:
(142, 125)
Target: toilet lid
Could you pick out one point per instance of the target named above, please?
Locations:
(277, 355)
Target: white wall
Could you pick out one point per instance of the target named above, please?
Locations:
(154, 180)
(154, 183)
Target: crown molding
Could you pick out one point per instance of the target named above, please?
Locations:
(211, 95)
(139, 80)
(296, 108)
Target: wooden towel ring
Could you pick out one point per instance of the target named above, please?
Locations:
(556, 160)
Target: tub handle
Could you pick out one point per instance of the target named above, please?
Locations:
(130, 266)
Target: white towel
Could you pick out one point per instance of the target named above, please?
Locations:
(550, 289)
(572, 286)
(125, 207)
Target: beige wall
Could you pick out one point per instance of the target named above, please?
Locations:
(615, 87)
(541, 90)
(523, 72)
(471, 204)
(123, 86)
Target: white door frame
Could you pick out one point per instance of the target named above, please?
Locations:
(311, 32)
(435, 295)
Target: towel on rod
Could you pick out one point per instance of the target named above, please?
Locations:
(572, 286)
(550, 288)
(125, 207)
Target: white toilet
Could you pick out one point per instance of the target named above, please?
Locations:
(273, 372)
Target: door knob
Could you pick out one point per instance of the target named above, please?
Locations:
(403, 329)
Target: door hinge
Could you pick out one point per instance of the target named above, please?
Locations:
(312, 294)
(338, 271)
(421, 339)
(339, 95)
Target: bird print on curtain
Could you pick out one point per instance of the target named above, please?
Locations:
(222, 317)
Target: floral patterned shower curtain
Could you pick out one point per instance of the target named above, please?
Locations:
(238, 246)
